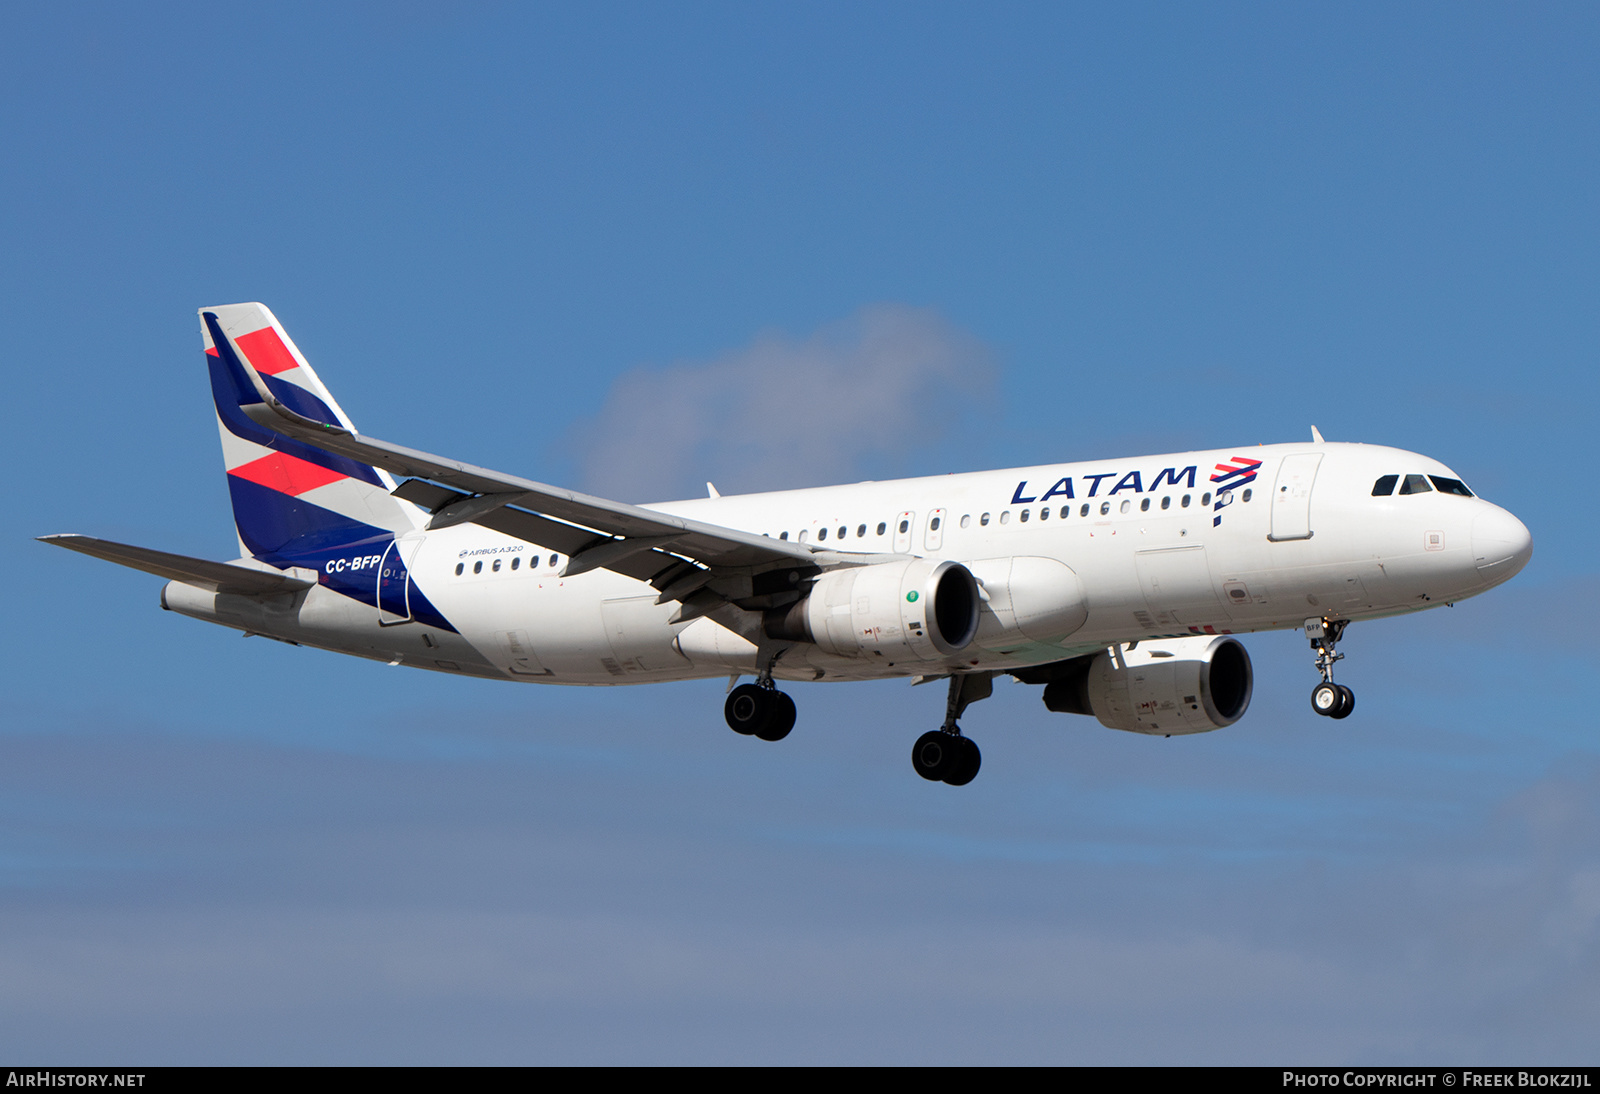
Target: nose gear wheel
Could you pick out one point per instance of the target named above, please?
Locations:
(1329, 699)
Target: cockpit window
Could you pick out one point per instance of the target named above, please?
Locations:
(1384, 486)
(1415, 484)
(1450, 486)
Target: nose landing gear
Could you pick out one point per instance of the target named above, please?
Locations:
(1329, 699)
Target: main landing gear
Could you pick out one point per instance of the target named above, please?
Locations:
(940, 755)
(760, 709)
(1329, 699)
(943, 754)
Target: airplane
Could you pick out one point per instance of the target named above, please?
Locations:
(1117, 585)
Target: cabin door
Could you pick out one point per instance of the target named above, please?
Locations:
(394, 581)
(1291, 497)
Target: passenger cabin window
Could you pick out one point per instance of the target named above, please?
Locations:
(803, 534)
(1066, 511)
(1144, 505)
(516, 562)
(1105, 508)
(822, 534)
(1185, 501)
(1044, 514)
(842, 532)
(882, 527)
(1084, 511)
(1416, 484)
(1384, 486)
(905, 526)
(1005, 516)
(1205, 499)
(1166, 503)
(1247, 495)
(966, 520)
(984, 520)
(933, 525)
(477, 567)
(459, 567)
(1450, 486)
(861, 532)
(496, 566)
(553, 560)
(1023, 516)
(783, 535)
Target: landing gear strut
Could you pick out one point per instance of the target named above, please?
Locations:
(943, 754)
(760, 709)
(1327, 698)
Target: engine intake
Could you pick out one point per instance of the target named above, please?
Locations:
(1179, 685)
(917, 610)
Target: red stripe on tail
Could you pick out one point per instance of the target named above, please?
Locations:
(287, 474)
(266, 352)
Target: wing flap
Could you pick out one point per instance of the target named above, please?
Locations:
(222, 577)
(554, 535)
(557, 535)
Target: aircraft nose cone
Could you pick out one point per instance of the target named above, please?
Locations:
(1501, 544)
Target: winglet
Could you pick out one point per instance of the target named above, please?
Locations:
(247, 380)
(1316, 435)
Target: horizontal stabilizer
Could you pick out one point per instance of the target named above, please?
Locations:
(222, 577)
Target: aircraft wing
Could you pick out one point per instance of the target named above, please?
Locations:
(594, 533)
(222, 577)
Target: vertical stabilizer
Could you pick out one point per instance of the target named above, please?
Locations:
(292, 504)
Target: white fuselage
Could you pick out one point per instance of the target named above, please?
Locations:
(1071, 558)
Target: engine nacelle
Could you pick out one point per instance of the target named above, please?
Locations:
(1163, 686)
(891, 612)
(1028, 599)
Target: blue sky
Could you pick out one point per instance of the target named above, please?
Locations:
(507, 234)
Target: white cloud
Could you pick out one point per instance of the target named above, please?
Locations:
(866, 392)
